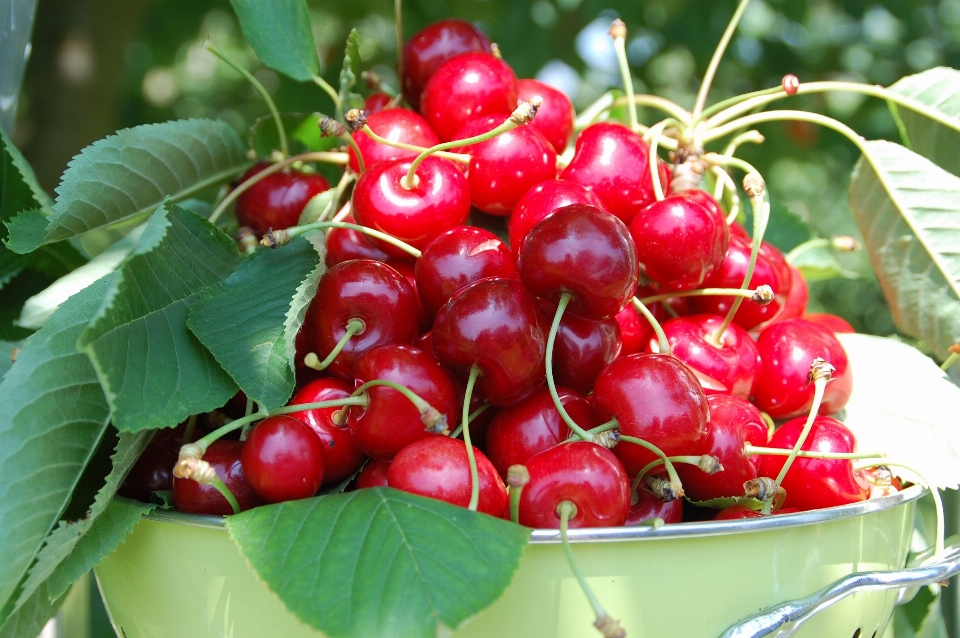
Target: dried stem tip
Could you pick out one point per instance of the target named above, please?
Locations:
(434, 420)
(763, 295)
(753, 185)
(329, 127)
(709, 464)
(371, 79)
(763, 488)
(275, 238)
(663, 489)
(517, 475)
(607, 439)
(247, 239)
(356, 119)
(954, 349)
(846, 243)
(790, 84)
(618, 30)
(527, 110)
(820, 370)
(609, 627)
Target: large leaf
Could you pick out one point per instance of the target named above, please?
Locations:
(908, 210)
(379, 562)
(54, 414)
(29, 620)
(7, 351)
(279, 31)
(349, 74)
(154, 371)
(251, 319)
(123, 178)
(938, 89)
(19, 188)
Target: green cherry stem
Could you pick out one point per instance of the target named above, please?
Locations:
(433, 419)
(280, 237)
(398, 20)
(462, 158)
(762, 295)
(471, 455)
(225, 491)
(844, 243)
(740, 99)
(329, 90)
(355, 326)
(565, 298)
(707, 463)
(473, 415)
(724, 181)
(675, 485)
(517, 478)
(715, 62)
(655, 134)
(952, 358)
(653, 101)
(191, 425)
(330, 127)
(618, 31)
(662, 342)
(753, 450)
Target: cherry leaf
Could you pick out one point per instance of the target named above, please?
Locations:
(724, 502)
(279, 31)
(939, 90)
(379, 562)
(29, 620)
(349, 74)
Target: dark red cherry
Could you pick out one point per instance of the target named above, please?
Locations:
(373, 474)
(438, 467)
(635, 330)
(152, 472)
(361, 289)
(344, 244)
(582, 348)
(543, 199)
(458, 257)
(283, 459)
(277, 200)
(814, 483)
(396, 125)
(679, 242)
(406, 269)
(439, 201)
(466, 87)
(581, 250)
(497, 325)
(433, 45)
(787, 348)
(656, 398)
(584, 473)
(833, 323)
(342, 458)
(376, 102)
(194, 498)
(613, 162)
(555, 116)
(504, 168)
(647, 506)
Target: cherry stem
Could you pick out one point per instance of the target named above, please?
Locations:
(704, 292)
(188, 430)
(435, 420)
(752, 450)
(688, 459)
(329, 90)
(281, 132)
(951, 359)
(675, 110)
(398, 19)
(725, 181)
(463, 158)
(471, 456)
(715, 62)
(227, 494)
(515, 493)
(662, 341)
(565, 298)
(473, 415)
(618, 30)
(676, 485)
(316, 156)
(355, 326)
(740, 99)
(655, 133)
(292, 232)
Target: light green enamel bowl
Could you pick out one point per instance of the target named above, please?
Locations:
(180, 575)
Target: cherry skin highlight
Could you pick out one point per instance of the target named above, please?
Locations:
(555, 117)
(193, 498)
(277, 200)
(396, 125)
(283, 459)
(341, 456)
(431, 46)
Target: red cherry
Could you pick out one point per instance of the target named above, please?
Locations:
(283, 459)
(543, 199)
(438, 467)
(797, 298)
(787, 348)
(341, 456)
(582, 348)
(648, 506)
(193, 498)
(555, 117)
(736, 512)
(373, 474)
(406, 270)
(833, 323)
(502, 169)
(396, 125)
(613, 162)
(344, 244)
(635, 330)
(376, 102)
(466, 87)
(814, 483)
(277, 200)
(439, 201)
(706, 200)
(152, 472)
(584, 473)
(433, 45)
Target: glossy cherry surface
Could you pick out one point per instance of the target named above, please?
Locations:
(373, 474)
(193, 498)
(582, 349)
(635, 330)
(555, 116)
(277, 200)
(396, 125)
(428, 48)
(344, 244)
(833, 323)
(438, 467)
(283, 459)
(646, 506)
(342, 457)
(584, 473)
(543, 199)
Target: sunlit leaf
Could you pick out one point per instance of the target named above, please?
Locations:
(279, 31)
(349, 74)
(938, 89)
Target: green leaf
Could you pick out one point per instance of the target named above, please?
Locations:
(908, 210)
(819, 264)
(303, 131)
(308, 134)
(348, 76)
(379, 562)
(19, 188)
(54, 414)
(938, 89)
(250, 320)
(123, 178)
(7, 348)
(279, 31)
(726, 501)
(28, 621)
(154, 371)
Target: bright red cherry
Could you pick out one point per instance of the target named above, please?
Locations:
(543, 199)
(647, 506)
(277, 200)
(830, 322)
(502, 169)
(344, 244)
(555, 117)
(283, 459)
(797, 298)
(373, 474)
(431, 46)
(438, 467)
(376, 102)
(613, 162)
(341, 456)
(582, 348)
(584, 473)
(193, 498)
(706, 200)
(736, 512)
(396, 125)
(635, 330)
(466, 87)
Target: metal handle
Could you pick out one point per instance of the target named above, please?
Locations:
(772, 619)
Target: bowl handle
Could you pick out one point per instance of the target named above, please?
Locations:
(772, 619)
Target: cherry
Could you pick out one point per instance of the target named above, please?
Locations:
(440, 200)
(376, 102)
(831, 322)
(193, 498)
(635, 330)
(502, 169)
(543, 199)
(497, 325)
(282, 459)
(533, 425)
(706, 200)
(736, 512)
(407, 271)
(812, 483)
(581, 250)
(370, 291)
(341, 456)
(787, 348)
(797, 297)
(153, 471)
(396, 125)
(458, 257)
(583, 348)
(556, 115)
(344, 244)
(390, 421)
(373, 474)
(466, 87)
(277, 200)
(613, 162)
(433, 45)
(584, 473)
(437, 467)
(656, 398)
(679, 242)
(646, 506)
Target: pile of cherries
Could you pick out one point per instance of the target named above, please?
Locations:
(403, 343)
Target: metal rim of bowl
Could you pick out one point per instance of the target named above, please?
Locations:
(677, 530)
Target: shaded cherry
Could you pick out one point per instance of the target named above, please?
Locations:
(344, 244)
(373, 474)
(277, 200)
(429, 47)
(540, 201)
(342, 458)
(556, 115)
(396, 125)
(283, 459)
(736, 512)
(646, 506)
(193, 498)
(582, 349)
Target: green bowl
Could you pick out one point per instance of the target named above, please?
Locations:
(181, 575)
